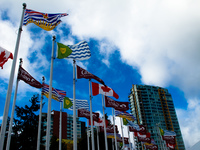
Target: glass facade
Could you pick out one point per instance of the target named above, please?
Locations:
(153, 107)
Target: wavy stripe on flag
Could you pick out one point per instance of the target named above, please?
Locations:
(80, 104)
(80, 51)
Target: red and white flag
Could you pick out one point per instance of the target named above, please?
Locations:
(101, 89)
(138, 134)
(4, 56)
(99, 123)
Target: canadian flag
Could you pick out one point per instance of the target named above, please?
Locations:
(101, 89)
(4, 56)
(138, 134)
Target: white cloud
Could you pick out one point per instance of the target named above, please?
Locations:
(189, 122)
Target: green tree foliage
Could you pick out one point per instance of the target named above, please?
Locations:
(25, 127)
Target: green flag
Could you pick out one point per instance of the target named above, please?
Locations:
(125, 122)
(67, 103)
(161, 131)
(63, 51)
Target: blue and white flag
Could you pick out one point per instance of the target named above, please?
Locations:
(80, 51)
(80, 104)
(169, 133)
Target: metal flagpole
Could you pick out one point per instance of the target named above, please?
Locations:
(113, 113)
(74, 110)
(129, 140)
(98, 138)
(88, 134)
(60, 131)
(91, 118)
(104, 121)
(13, 111)
(40, 118)
(49, 99)
(122, 132)
(9, 92)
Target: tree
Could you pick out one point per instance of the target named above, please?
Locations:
(26, 126)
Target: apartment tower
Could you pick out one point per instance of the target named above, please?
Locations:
(153, 107)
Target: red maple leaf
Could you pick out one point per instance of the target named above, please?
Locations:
(105, 88)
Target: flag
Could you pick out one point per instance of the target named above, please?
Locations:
(109, 129)
(63, 51)
(86, 113)
(126, 140)
(27, 78)
(171, 146)
(80, 104)
(167, 133)
(67, 103)
(138, 134)
(80, 51)
(99, 122)
(112, 136)
(57, 95)
(4, 56)
(43, 20)
(144, 139)
(125, 115)
(82, 73)
(134, 127)
(121, 106)
(151, 146)
(101, 89)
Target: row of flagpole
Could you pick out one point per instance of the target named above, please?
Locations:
(8, 96)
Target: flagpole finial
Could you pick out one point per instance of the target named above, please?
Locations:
(20, 61)
(43, 79)
(54, 37)
(24, 4)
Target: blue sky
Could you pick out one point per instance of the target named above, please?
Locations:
(154, 43)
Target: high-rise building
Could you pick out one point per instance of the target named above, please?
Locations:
(153, 107)
(67, 125)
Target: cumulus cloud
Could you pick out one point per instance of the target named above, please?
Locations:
(189, 122)
(159, 38)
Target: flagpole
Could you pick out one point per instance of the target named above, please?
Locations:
(88, 133)
(91, 118)
(49, 99)
(9, 92)
(60, 131)
(122, 131)
(40, 118)
(113, 113)
(97, 137)
(13, 111)
(129, 137)
(74, 109)
(104, 121)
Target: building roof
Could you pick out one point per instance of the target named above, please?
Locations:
(195, 146)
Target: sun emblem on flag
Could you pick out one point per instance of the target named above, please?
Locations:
(67, 102)
(63, 50)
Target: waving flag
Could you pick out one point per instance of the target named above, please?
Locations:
(86, 113)
(125, 115)
(99, 122)
(80, 104)
(121, 106)
(112, 135)
(67, 103)
(43, 20)
(80, 51)
(4, 56)
(57, 95)
(167, 133)
(82, 73)
(27, 78)
(101, 89)
(63, 51)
